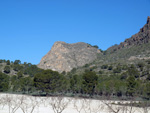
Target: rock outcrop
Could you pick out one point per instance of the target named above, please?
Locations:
(65, 57)
(142, 37)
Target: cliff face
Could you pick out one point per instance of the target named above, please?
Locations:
(65, 57)
(142, 37)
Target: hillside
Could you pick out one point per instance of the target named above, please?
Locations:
(136, 47)
(65, 57)
(81, 56)
(83, 70)
(142, 37)
(16, 67)
(117, 59)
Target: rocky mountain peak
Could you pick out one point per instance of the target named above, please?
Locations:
(148, 20)
(65, 57)
(142, 37)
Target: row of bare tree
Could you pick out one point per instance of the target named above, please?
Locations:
(28, 104)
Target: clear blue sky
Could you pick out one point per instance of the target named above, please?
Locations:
(28, 28)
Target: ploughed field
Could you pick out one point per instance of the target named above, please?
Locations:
(12, 103)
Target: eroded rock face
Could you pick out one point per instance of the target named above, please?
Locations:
(142, 37)
(65, 57)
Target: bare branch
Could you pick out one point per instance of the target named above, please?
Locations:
(59, 104)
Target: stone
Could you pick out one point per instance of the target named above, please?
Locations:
(65, 57)
(142, 37)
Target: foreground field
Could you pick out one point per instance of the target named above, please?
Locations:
(10, 103)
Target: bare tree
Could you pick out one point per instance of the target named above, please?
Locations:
(95, 106)
(43, 100)
(58, 104)
(130, 107)
(145, 107)
(79, 104)
(2, 100)
(88, 105)
(29, 104)
(123, 107)
(110, 107)
(13, 103)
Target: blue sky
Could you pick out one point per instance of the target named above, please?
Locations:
(28, 28)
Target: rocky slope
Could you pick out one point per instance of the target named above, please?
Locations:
(65, 57)
(142, 37)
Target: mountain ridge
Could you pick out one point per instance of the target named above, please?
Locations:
(142, 37)
(65, 57)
